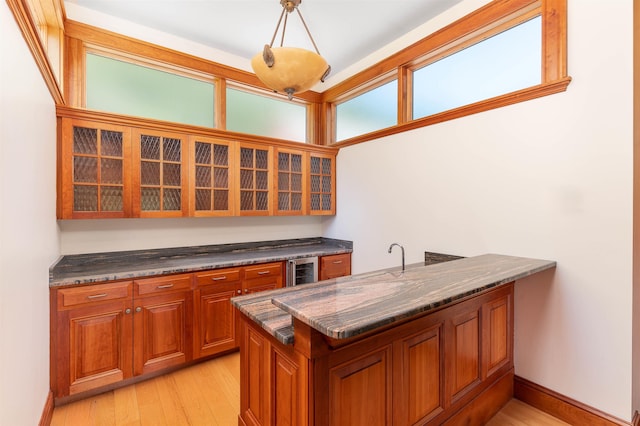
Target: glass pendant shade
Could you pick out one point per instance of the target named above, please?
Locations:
(294, 70)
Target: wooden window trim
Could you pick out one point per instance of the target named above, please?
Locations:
(484, 22)
(32, 32)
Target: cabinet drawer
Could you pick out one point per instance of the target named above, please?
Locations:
(220, 276)
(334, 266)
(163, 284)
(264, 270)
(93, 293)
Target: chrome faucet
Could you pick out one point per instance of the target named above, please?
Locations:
(401, 248)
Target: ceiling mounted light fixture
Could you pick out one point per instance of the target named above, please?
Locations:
(289, 69)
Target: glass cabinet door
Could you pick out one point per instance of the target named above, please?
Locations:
(95, 164)
(255, 180)
(211, 177)
(291, 180)
(160, 179)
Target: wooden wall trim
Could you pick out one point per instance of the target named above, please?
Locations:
(47, 411)
(563, 407)
(636, 419)
(29, 31)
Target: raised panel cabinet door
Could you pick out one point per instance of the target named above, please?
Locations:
(335, 266)
(421, 384)
(99, 345)
(215, 319)
(498, 329)
(288, 396)
(463, 364)
(162, 331)
(160, 174)
(253, 377)
(360, 390)
(94, 180)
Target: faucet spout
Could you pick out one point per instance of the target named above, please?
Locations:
(401, 248)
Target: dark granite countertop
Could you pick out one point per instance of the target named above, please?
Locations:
(98, 267)
(349, 306)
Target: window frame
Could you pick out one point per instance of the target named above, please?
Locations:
(485, 22)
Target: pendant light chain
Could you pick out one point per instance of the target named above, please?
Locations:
(308, 32)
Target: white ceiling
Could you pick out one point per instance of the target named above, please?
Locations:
(344, 31)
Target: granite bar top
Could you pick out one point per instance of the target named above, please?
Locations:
(349, 306)
(98, 267)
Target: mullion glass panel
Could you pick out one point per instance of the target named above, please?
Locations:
(501, 64)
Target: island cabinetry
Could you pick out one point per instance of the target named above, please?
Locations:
(450, 365)
(274, 382)
(334, 266)
(262, 277)
(92, 332)
(162, 325)
(215, 318)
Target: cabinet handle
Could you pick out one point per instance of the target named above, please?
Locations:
(263, 272)
(138, 309)
(246, 290)
(337, 262)
(239, 291)
(164, 286)
(97, 296)
(219, 278)
(127, 311)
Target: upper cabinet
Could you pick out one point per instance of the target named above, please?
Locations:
(119, 167)
(159, 174)
(94, 177)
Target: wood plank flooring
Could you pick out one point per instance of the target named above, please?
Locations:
(208, 394)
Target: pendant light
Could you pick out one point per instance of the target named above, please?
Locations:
(289, 70)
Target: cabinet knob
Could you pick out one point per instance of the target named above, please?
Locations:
(138, 309)
(127, 311)
(239, 291)
(246, 290)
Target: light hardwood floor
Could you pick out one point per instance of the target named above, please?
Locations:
(208, 394)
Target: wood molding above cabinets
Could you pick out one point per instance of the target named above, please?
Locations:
(114, 166)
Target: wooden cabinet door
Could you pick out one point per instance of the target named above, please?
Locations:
(419, 389)
(497, 334)
(266, 276)
(322, 177)
(334, 266)
(291, 182)
(93, 340)
(463, 353)
(360, 390)
(162, 322)
(94, 164)
(255, 174)
(212, 182)
(160, 174)
(215, 317)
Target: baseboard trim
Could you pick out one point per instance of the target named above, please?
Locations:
(47, 411)
(562, 407)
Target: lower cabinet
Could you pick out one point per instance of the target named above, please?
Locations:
(335, 266)
(453, 366)
(215, 318)
(103, 334)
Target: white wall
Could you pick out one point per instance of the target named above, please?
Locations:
(549, 178)
(28, 232)
(94, 236)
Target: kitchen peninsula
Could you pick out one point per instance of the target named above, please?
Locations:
(428, 345)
